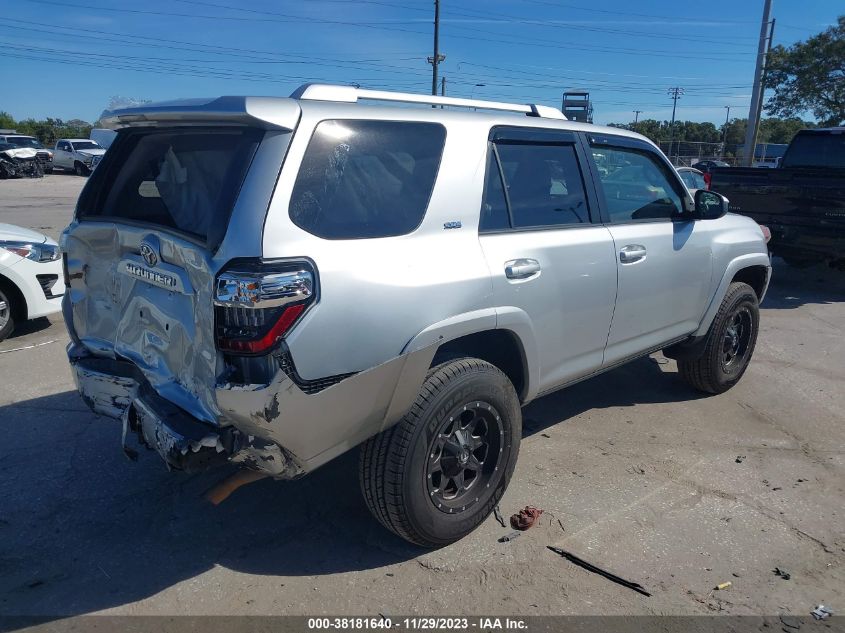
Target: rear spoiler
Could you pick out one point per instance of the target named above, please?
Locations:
(263, 112)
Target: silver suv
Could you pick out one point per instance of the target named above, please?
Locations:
(272, 282)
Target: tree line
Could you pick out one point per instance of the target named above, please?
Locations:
(732, 134)
(46, 130)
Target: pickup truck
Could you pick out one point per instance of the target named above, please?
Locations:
(802, 201)
(79, 155)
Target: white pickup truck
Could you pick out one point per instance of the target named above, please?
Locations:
(79, 155)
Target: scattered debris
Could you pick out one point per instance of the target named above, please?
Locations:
(821, 612)
(735, 575)
(545, 435)
(739, 459)
(724, 585)
(776, 488)
(498, 514)
(636, 470)
(598, 570)
(389, 575)
(790, 621)
(782, 573)
(561, 525)
(509, 537)
(525, 518)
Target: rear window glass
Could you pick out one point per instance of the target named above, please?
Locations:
(185, 179)
(816, 149)
(365, 179)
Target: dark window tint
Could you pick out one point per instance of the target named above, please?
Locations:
(636, 186)
(494, 209)
(362, 179)
(816, 149)
(183, 179)
(544, 184)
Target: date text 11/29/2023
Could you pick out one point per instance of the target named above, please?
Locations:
(419, 623)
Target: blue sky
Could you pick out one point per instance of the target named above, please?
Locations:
(67, 58)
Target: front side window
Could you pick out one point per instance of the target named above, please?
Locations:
(636, 186)
(543, 183)
(366, 179)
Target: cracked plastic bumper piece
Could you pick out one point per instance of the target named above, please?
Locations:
(275, 428)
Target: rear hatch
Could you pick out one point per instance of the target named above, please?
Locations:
(151, 232)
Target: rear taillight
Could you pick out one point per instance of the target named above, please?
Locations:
(707, 178)
(257, 303)
(767, 233)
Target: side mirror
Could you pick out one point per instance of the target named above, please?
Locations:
(710, 205)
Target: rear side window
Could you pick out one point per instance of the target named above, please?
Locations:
(185, 179)
(366, 179)
(816, 149)
(544, 184)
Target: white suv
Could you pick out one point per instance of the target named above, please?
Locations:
(276, 281)
(30, 277)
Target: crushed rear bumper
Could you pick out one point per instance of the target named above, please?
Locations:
(118, 390)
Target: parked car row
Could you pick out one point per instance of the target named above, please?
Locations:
(78, 155)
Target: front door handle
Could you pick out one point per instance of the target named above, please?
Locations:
(521, 268)
(632, 253)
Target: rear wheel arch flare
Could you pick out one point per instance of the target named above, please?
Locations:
(499, 347)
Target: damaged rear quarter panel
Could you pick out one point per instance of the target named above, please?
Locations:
(317, 427)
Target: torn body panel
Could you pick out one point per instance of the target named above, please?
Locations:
(317, 427)
(275, 428)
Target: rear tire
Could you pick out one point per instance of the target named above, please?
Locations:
(437, 474)
(729, 344)
(8, 310)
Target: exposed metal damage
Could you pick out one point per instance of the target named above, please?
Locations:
(275, 428)
(20, 162)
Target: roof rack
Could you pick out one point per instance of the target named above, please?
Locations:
(351, 94)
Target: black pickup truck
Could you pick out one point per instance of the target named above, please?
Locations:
(802, 201)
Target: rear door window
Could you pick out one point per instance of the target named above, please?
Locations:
(184, 179)
(544, 184)
(366, 179)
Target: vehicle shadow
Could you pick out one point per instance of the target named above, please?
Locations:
(83, 529)
(793, 287)
(30, 327)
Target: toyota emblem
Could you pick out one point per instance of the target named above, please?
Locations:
(149, 253)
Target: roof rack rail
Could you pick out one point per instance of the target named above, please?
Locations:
(351, 94)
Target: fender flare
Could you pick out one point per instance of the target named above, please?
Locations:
(735, 265)
(510, 318)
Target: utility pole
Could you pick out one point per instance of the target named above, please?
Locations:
(757, 92)
(676, 93)
(725, 131)
(763, 83)
(435, 59)
(636, 116)
(443, 86)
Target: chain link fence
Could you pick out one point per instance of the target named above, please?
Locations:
(687, 153)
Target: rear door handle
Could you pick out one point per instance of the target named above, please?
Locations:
(632, 253)
(521, 268)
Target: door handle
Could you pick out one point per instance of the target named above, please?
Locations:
(521, 268)
(632, 253)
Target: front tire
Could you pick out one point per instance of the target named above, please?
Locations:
(8, 309)
(729, 345)
(437, 474)
(80, 169)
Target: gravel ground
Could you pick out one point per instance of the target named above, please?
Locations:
(636, 473)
